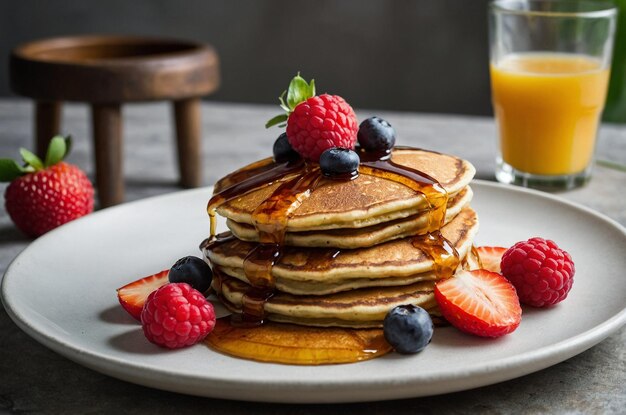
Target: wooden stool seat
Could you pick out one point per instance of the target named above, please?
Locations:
(107, 71)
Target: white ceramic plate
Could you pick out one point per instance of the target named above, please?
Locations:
(61, 291)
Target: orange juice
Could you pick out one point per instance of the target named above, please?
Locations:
(548, 106)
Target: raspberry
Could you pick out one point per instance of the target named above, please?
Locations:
(540, 271)
(315, 123)
(320, 123)
(176, 315)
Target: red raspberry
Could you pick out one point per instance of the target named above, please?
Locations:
(320, 123)
(315, 124)
(177, 315)
(540, 271)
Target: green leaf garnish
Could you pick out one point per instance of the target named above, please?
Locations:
(298, 92)
(283, 104)
(276, 120)
(31, 159)
(10, 170)
(56, 150)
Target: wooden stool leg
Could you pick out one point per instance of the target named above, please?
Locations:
(187, 114)
(107, 134)
(47, 124)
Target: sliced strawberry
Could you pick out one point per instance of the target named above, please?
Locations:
(132, 296)
(490, 257)
(479, 302)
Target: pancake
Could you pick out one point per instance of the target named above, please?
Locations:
(361, 308)
(364, 201)
(331, 287)
(360, 237)
(318, 271)
(346, 251)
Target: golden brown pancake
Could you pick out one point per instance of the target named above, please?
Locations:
(357, 203)
(351, 249)
(359, 237)
(365, 307)
(317, 271)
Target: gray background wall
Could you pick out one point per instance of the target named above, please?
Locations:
(420, 55)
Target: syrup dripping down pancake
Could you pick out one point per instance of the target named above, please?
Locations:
(360, 237)
(365, 201)
(365, 307)
(399, 195)
(321, 271)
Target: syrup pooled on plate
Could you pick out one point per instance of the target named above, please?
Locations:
(299, 345)
(308, 345)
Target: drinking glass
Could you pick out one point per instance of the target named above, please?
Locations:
(549, 65)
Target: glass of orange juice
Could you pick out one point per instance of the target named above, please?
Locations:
(549, 65)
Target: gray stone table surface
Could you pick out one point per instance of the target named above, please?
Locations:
(34, 379)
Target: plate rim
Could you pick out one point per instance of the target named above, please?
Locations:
(494, 372)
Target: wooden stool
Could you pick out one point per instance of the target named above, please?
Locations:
(107, 71)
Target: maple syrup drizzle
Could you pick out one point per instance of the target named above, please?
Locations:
(253, 177)
(270, 220)
(271, 216)
(381, 165)
(245, 173)
(290, 344)
(222, 238)
(445, 257)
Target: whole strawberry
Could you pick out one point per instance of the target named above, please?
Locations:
(45, 194)
(315, 123)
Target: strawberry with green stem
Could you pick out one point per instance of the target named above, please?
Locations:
(45, 194)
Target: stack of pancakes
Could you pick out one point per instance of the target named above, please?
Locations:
(351, 248)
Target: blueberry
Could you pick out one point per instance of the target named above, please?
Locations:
(193, 271)
(339, 162)
(408, 328)
(376, 134)
(283, 151)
